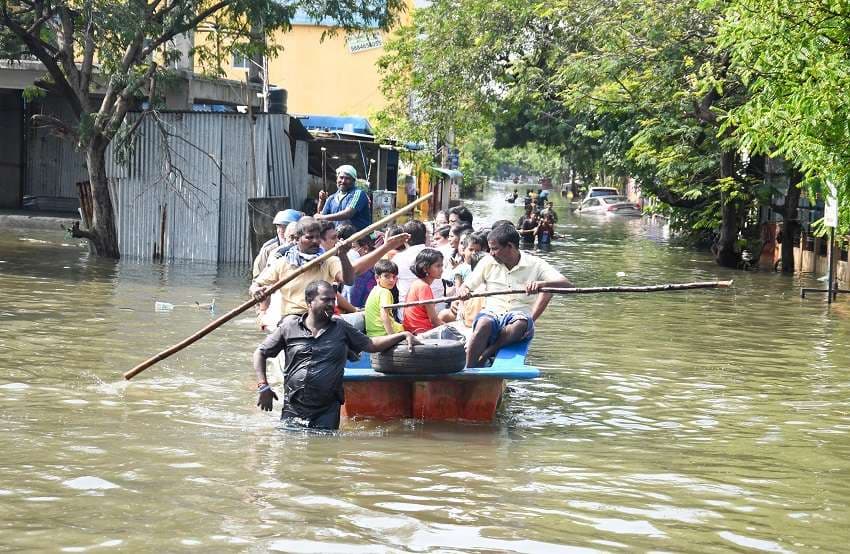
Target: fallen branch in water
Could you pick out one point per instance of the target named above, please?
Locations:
(585, 290)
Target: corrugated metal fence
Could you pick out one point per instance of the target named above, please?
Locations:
(182, 192)
(54, 167)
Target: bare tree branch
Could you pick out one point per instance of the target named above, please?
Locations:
(87, 67)
(123, 103)
(39, 49)
(62, 128)
(33, 29)
(168, 134)
(67, 55)
(180, 29)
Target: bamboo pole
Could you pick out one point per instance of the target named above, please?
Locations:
(212, 326)
(585, 290)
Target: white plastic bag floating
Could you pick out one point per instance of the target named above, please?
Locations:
(168, 306)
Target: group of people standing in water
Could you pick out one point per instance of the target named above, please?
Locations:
(538, 222)
(412, 262)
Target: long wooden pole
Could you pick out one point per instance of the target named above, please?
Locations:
(585, 290)
(242, 307)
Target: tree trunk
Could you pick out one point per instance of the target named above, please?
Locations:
(102, 237)
(790, 219)
(724, 252)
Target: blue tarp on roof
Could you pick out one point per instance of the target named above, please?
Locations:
(342, 123)
(450, 173)
(301, 17)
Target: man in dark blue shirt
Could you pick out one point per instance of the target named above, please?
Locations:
(349, 204)
(316, 346)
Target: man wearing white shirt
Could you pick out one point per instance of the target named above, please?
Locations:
(507, 319)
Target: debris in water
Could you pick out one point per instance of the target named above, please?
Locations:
(89, 483)
(167, 306)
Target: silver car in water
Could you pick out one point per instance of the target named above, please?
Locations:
(610, 205)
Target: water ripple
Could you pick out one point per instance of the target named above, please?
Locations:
(710, 420)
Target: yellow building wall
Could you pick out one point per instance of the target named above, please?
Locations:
(324, 77)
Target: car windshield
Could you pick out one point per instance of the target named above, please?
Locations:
(602, 192)
(615, 199)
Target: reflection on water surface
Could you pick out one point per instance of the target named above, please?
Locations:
(689, 421)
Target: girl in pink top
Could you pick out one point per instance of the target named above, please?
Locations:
(428, 267)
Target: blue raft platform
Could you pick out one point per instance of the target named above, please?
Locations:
(469, 395)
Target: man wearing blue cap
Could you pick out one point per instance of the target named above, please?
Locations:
(348, 205)
(281, 220)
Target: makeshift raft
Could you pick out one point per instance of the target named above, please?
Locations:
(470, 395)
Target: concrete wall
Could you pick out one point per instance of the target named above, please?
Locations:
(180, 94)
(323, 77)
(11, 167)
(809, 261)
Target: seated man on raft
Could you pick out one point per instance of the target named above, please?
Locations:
(507, 318)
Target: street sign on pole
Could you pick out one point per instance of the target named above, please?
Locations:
(830, 220)
(830, 210)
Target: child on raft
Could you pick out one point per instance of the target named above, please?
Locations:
(470, 244)
(428, 267)
(468, 309)
(363, 284)
(380, 322)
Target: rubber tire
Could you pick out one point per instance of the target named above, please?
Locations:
(433, 356)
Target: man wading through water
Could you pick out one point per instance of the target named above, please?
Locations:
(315, 346)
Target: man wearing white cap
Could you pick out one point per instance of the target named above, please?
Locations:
(349, 204)
(281, 220)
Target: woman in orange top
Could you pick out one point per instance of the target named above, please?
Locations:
(428, 267)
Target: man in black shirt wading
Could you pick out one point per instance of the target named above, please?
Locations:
(316, 347)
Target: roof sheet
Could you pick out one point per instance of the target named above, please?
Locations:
(344, 123)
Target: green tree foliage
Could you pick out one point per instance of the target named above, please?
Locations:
(793, 56)
(442, 72)
(657, 68)
(626, 88)
(483, 160)
(121, 49)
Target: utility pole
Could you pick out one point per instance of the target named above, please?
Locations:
(446, 149)
(324, 169)
(265, 77)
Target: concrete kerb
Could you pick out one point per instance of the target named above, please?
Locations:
(42, 221)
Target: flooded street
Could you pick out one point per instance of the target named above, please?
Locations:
(688, 421)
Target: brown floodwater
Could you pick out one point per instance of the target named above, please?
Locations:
(691, 421)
